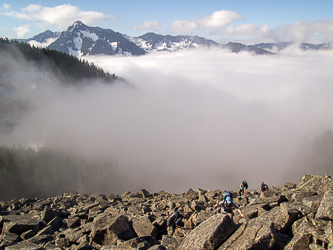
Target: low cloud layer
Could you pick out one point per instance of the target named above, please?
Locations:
(198, 118)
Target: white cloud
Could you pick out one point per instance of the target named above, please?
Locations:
(216, 20)
(262, 33)
(5, 6)
(22, 30)
(62, 15)
(148, 25)
(320, 31)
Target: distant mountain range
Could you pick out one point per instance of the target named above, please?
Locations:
(80, 40)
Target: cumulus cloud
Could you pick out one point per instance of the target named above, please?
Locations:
(261, 34)
(22, 30)
(317, 31)
(216, 20)
(62, 15)
(148, 25)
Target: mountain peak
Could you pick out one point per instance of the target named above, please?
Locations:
(76, 25)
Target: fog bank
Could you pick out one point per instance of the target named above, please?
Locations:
(198, 118)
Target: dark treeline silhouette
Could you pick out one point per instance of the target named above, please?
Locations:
(42, 173)
(66, 68)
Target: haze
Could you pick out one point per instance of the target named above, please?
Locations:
(192, 119)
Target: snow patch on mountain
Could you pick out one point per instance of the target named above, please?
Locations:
(92, 36)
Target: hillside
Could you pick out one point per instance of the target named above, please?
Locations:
(63, 66)
(27, 70)
(294, 216)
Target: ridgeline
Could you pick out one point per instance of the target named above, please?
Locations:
(66, 68)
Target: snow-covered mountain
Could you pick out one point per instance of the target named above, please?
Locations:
(151, 41)
(80, 39)
(302, 46)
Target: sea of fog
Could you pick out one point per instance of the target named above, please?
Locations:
(195, 118)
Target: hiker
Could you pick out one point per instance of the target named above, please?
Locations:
(242, 188)
(227, 204)
(175, 221)
(264, 187)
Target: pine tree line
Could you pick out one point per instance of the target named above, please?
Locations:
(66, 68)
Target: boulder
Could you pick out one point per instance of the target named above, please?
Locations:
(144, 193)
(197, 206)
(18, 224)
(315, 183)
(107, 231)
(325, 209)
(144, 227)
(209, 234)
(200, 217)
(170, 243)
(192, 195)
(257, 233)
(299, 241)
(312, 201)
(282, 217)
(8, 238)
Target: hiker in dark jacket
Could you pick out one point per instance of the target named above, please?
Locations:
(175, 221)
(264, 187)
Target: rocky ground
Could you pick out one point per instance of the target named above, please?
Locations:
(290, 217)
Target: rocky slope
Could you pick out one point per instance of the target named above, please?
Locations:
(294, 216)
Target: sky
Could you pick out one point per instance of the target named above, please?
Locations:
(247, 21)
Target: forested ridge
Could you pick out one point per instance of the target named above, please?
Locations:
(46, 171)
(66, 68)
(27, 172)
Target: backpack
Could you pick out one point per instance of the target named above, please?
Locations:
(172, 217)
(245, 184)
(226, 194)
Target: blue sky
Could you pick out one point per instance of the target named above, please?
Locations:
(249, 21)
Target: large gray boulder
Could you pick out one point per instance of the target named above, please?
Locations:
(257, 233)
(144, 227)
(209, 234)
(283, 218)
(106, 231)
(312, 201)
(315, 183)
(18, 224)
(325, 210)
